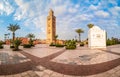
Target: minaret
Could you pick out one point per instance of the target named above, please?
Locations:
(51, 27)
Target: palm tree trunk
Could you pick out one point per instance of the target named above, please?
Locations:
(79, 38)
(13, 36)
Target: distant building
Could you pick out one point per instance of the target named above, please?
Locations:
(7, 42)
(51, 27)
(96, 38)
(24, 40)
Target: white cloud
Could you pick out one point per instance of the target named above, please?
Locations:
(77, 6)
(101, 13)
(5, 7)
(84, 17)
(60, 10)
(56, 2)
(72, 10)
(22, 10)
(92, 7)
(115, 10)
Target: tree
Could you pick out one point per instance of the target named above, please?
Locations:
(79, 31)
(31, 36)
(17, 43)
(5, 36)
(90, 25)
(13, 28)
(1, 44)
(56, 36)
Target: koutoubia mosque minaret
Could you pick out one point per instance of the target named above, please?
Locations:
(51, 27)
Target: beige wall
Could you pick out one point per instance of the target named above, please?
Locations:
(51, 27)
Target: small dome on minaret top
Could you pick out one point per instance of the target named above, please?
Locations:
(51, 12)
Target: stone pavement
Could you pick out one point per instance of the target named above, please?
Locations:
(9, 58)
(47, 66)
(29, 73)
(43, 72)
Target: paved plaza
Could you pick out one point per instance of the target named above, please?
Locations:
(45, 61)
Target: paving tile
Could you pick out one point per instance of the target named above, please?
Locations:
(113, 75)
(90, 76)
(29, 72)
(41, 68)
(68, 76)
(24, 74)
(103, 75)
(48, 71)
(55, 74)
(111, 71)
(117, 68)
(118, 73)
(46, 75)
(2, 76)
(9, 76)
(40, 74)
(32, 74)
(17, 75)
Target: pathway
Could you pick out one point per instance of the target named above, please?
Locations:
(73, 69)
(67, 69)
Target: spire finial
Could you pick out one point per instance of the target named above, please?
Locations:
(51, 12)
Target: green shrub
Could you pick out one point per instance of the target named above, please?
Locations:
(52, 44)
(1, 47)
(70, 44)
(16, 43)
(81, 44)
(12, 47)
(27, 46)
(71, 47)
(112, 41)
(1, 43)
(59, 45)
(31, 42)
(33, 45)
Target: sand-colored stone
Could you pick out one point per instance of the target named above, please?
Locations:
(51, 27)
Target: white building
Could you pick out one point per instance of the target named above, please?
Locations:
(96, 38)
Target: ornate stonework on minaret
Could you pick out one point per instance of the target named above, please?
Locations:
(51, 27)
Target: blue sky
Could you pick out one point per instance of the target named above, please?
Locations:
(71, 14)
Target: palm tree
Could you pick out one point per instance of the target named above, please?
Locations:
(13, 28)
(5, 36)
(90, 25)
(30, 35)
(56, 36)
(79, 31)
(17, 43)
